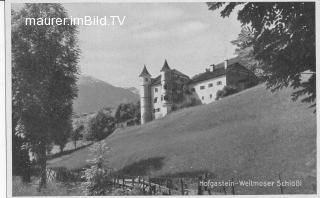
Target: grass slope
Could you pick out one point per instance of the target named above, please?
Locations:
(254, 134)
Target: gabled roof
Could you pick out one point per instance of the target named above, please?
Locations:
(179, 73)
(219, 70)
(165, 66)
(144, 72)
(231, 61)
(208, 75)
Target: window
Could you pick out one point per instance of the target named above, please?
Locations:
(210, 96)
(156, 90)
(219, 83)
(210, 85)
(155, 100)
(166, 98)
(201, 87)
(156, 110)
(202, 97)
(165, 86)
(146, 79)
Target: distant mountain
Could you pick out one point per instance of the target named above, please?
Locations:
(133, 90)
(95, 94)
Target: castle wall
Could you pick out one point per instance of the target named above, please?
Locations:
(156, 92)
(145, 100)
(207, 93)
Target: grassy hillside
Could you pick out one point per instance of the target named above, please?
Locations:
(251, 135)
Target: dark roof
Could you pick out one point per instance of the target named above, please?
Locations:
(179, 73)
(144, 72)
(165, 66)
(231, 61)
(219, 70)
(156, 81)
(208, 75)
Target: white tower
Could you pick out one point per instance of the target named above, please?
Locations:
(166, 88)
(145, 96)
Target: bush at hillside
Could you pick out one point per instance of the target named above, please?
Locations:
(100, 126)
(226, 91)
(96, 180)
(188, 101)
(128, 112)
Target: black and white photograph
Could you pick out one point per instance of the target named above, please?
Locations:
(161, 98)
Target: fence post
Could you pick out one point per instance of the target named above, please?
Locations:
(199, 186)
(182, 187)
(169, 192)
(281, 188)
(143, 184)
(117, 181)
(232, 187)
(207, 179)
(123, 183)
(224, 190)
(150, 192)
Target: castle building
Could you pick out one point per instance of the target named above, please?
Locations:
(159, 95)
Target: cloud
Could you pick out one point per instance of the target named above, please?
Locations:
(162, 12)
(183, 30)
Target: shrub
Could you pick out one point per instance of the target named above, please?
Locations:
(128, 111)
(100, 126)
(76, 134)
(226, 91)
(96, 180)
(188, 101)
(19, 188)
(122, 192)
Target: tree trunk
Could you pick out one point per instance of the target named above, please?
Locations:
(43, 166)
(26, 173)
(61, 148)
(182, 187)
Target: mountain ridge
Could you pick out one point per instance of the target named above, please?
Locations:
(94, 94)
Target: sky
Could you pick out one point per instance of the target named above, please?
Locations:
(188, 35)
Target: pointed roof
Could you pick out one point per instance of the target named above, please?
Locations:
(144, 72)
(165, 66)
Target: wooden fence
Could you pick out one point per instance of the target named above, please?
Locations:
(154, 186)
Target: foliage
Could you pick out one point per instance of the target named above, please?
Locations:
(20, 188)
(100, 126)
(226, 91)
(123, 192)
(76, 134)
(245, 51)
(283, 40)
(96, 175)
(128, 111)
(44, 74)
(188, 101)
(21, 164)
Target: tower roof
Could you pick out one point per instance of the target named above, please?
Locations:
(144, 72)
(165, 66)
